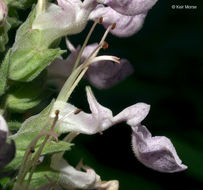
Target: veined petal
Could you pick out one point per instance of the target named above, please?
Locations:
(130, 7)
(100, 118)
(134, 114)
(156, 152)
(125, 25)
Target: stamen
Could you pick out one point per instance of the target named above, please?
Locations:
(57, 112)
(69, 45)
(113, 26)
(100, 20)
(77, 111)
(105, 58)
(86, 41)
(32, 150)
(105, 45)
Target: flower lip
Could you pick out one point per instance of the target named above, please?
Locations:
(156, 152)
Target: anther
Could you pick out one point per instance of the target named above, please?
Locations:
(32, 150)
(57, 112)
(77, 111)
(113, 26)
(105, 45)
(100, 20)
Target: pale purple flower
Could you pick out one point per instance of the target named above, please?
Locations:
(71, 178)
(7, 151)
(3, 12)
(66, 18)
(156, 152)
(75, 178)
(100, 118)
(125, 25)
(130, 7)
(101, 74)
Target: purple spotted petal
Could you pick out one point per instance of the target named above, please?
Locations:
(100, 118)
(156, 152)
(125, 25)
(130, 7)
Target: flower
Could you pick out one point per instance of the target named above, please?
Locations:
(66, 18)
(74, 178)
(156, 152)
(125, 25)
(3, 12)
(101, 74)
(129, 15)
(130, 7)
(100, 119)
(7, 151)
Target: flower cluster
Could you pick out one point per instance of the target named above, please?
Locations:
(36, 49)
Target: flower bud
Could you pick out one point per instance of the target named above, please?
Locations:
(3, 12)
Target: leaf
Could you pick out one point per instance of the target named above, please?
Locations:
(4, 73)
(54, 147)
(27, 64)
(31, 128)
(4, 35)
(40, 178)
(30, 54)
(24, 96)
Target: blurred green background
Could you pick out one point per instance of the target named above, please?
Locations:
(167, 59)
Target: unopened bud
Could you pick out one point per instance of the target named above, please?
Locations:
(3, 12)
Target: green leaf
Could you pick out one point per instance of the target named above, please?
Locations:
(4, 35)
(54, 147)
(30, 54)
(24, 96)
(20, 4)
(27, 64)
(30, 128)
(40, 178)
(4, 73)
(14, 125)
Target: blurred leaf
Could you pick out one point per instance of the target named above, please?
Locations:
(4, 73)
